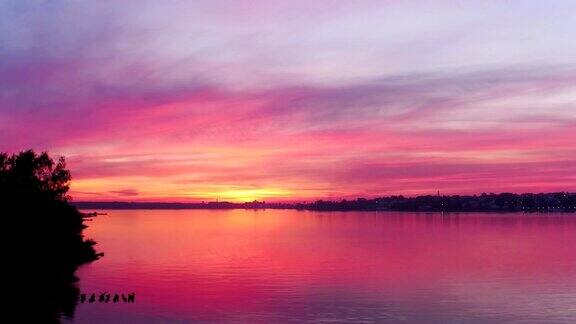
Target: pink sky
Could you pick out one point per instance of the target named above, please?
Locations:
(293, 100)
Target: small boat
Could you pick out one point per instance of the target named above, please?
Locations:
(92, 214)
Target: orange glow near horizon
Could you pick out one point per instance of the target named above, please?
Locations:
(178, 193)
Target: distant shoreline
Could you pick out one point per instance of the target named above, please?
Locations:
(504, 202)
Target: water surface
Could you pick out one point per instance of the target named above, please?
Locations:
(286, 266)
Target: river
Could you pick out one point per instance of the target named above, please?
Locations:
(288, 266)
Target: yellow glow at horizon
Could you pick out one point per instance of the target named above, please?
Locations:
(152, 189)
(243, 195)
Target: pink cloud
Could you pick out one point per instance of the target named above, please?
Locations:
(147, 117)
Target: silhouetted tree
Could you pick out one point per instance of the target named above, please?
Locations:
(30, 174)
(43, 232)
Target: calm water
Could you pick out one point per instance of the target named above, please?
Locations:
(290, 266)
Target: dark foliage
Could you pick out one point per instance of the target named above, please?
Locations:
(43, 232)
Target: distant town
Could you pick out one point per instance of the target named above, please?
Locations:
(486, 202)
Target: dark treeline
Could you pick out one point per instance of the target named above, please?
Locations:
(503, 202)
(43, 234)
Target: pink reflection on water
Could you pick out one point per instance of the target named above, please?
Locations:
(291, 266)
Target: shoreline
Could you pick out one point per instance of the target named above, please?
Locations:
(563, 202)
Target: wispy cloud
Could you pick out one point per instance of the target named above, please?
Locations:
(192, 101)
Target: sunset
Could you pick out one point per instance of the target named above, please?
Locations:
(294, 161)
(293, 100)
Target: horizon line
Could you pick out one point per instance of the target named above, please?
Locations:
(304, 201)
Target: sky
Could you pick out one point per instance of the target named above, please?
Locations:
(292, 100)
